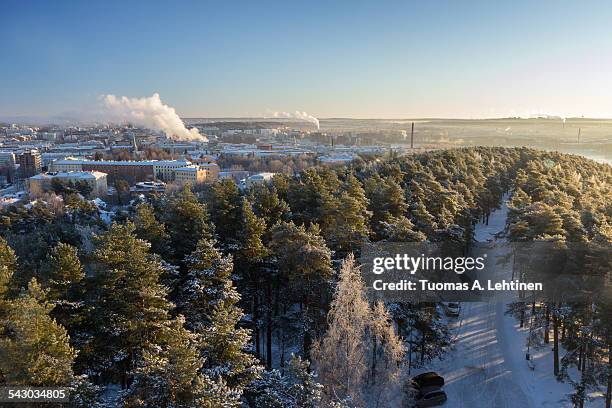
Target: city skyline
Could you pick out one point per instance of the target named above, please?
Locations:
(354, 60)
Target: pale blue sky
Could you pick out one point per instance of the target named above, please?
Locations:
(329, 58)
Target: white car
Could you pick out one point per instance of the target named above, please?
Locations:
(452, 309)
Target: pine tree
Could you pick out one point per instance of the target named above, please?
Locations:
(8, 259)
(208, 282)
(345, 218)
(211, 305)
(304, 266)
(249, 256)
(34, 349)
(170, 375)
(130, 310)
(386, 202)
(250, 245)
(63, 278)
(64, 271)
(308, 194)
(401, 230)
(225, 348)
(8, 265)
(151, 230)
(225, 209)
(268, 205)
(187, 222)
(423, 220)
(297, 388)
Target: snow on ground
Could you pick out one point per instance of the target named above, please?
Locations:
(486, 366)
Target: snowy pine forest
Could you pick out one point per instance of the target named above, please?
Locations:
(221, 297)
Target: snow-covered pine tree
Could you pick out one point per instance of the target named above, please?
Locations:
(297, 388)
(130, 310)
(170, 375)
(210, 302)
(207, 283)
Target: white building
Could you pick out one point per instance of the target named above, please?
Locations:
(259, 178)
(41, 183)
(165, 169)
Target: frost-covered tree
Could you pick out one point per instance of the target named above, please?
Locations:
(170, 375)
(387, 348)
(296, 388)
(359, 357)
(341, 356)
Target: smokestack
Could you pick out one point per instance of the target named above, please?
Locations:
(412, 136)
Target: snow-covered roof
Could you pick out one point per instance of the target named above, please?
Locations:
(262, 176)
(73, 160)
(192, 168)
(70, 174)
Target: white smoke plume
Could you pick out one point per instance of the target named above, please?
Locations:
(149, 112)
(297, 115)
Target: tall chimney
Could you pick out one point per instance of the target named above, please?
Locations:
(412, 137)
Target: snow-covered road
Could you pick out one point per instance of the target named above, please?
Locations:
(486, 366)
(478, 371)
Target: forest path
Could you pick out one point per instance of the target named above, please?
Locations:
(481, 369)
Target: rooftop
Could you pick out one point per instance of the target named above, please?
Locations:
(70, 174)
(74, 160)
(192, 168)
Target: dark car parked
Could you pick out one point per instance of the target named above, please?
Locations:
(430, 397)
(429, 379)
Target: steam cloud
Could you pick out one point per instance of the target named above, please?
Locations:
(149, 112)
(297, 115)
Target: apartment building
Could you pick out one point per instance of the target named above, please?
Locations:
(29, 163)
(41, 183)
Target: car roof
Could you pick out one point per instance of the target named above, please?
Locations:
(429, 390)
(434, 394)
